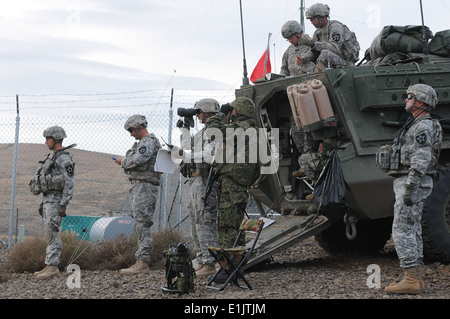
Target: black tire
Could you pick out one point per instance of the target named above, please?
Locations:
(371, 237)
(436, 221)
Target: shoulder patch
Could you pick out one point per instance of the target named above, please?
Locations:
(336, 37)
(70, 169)
(421, 138)
(142, 149)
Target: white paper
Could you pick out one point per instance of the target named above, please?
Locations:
(164, 162)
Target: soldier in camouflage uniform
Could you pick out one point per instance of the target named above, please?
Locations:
(197, 165)
(420, 145)
(292, 31)
(139, 164)
(333, 44)
(234, 176)
(56, 182)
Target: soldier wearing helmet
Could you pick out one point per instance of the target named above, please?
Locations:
(235, 168)
(420, 144)
(196, 166)
(139, 166)
(292, 31)
(333, 44)
(55, 180)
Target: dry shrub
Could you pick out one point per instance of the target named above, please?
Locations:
(29, 256)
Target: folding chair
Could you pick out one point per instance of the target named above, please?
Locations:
(231, 260)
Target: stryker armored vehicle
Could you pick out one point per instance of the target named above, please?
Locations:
(367, 108)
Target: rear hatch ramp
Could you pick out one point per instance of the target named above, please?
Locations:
(283, 232)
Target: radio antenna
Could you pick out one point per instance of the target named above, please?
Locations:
(424, 35)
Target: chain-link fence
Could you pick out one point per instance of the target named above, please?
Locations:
(100, 207)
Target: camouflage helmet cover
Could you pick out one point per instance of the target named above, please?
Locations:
(244, 106)
(290, 28)
(134, 121)
(56, 132)
(424, 93)
(207, 105)
(318, 9)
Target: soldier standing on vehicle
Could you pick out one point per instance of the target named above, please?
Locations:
(292, 31)
(55, 179)
(420, 145)
(197, 168)
(234, 177)
(333, 44)
(139, 164)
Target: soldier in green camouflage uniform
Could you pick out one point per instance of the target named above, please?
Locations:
(139, 164)
(333, 44)
(56, 182)
(420, 145)
(234, 177)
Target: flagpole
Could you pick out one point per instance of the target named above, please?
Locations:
(245, 80)
(267, 54)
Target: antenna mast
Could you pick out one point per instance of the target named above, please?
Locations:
(245, 80)
(424, 35)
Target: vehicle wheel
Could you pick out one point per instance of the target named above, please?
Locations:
(436, 221)
(371, 237)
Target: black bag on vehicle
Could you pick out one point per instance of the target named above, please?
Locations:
(330, 192)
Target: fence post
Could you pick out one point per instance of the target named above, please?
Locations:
(14, 175)
(169, 137)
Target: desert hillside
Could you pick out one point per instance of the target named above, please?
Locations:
(100, 186)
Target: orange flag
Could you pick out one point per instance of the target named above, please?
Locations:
(259, 71)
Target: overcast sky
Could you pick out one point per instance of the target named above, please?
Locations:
(97, 46)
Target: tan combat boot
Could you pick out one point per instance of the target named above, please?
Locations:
(410, 284)
(206, 270)
(39, 272)
(48, 272)
(138, 268)
(320, 66)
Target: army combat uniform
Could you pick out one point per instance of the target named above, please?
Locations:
(54, 197)
(139, 165)
(289, 66)
(333, 45)
(420, 147)
(55, 180)
(413, 161)
(234, 178)
(203, 217)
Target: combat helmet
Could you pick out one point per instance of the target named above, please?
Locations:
(55, 132)
(318, 9)
(290, 28)
(207, 105)
(134, 121)
(425, 94)
(244, 106)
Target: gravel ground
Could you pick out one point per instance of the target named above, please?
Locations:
(303, 271)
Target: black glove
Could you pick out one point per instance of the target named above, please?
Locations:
(41, 209)
(62, 211)
(407, 198)
(226, 108)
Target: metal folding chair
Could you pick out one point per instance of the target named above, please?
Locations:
(231, 260)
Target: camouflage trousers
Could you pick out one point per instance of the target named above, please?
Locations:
(232, 203)
(143, 201)
(406, 228)
(311, 164)
(332, 60)
(52, 224)
(203, 221)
